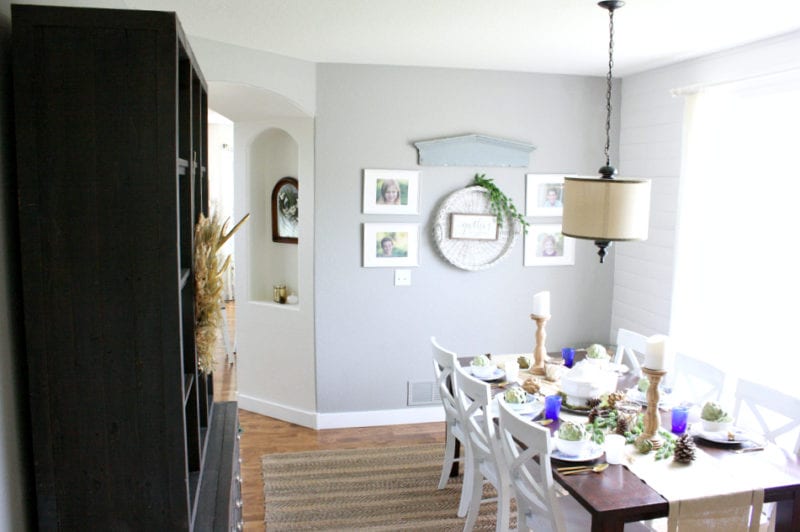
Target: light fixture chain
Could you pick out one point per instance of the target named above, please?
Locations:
(608, 82)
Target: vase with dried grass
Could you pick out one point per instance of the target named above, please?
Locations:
(209, 237)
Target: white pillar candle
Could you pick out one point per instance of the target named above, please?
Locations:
(541, 304)
(656, 355)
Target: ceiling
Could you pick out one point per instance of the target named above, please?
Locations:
(553, 36)
(547, 36)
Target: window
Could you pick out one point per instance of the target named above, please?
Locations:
(736, 300)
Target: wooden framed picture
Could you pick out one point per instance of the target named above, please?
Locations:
(545, 245)
(390, 245)
(284, 211)
(544, 194)
(391, 192)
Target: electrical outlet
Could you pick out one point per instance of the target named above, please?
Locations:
(402, 277)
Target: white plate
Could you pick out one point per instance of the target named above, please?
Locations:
(572, 410)
(739, 435)
(498, 374)
(641, 398)
(592, 452)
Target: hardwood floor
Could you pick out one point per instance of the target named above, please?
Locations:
(264, 435)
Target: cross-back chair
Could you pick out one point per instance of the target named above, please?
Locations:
(540, 505)
(696, 381)
(628, 344)
(445, 363)
(774, 413)
(474, 399)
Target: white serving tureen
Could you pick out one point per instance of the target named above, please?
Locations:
(587, 381)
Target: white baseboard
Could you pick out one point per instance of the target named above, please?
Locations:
(341, 420)
(278, 411)
(374, 418)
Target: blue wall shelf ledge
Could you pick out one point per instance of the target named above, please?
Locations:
(474, 150)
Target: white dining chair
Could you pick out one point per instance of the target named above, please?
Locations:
(628, 344)
(474, 399)
(444, 364)
(696, 381)
(773, 413)
(541, 506)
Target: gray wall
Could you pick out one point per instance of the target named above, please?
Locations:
(372, 337)
(14, 490)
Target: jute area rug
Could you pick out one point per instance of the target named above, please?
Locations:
(386, 488)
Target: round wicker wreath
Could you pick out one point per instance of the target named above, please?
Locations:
(472, 254)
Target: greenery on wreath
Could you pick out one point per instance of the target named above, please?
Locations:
(501, 204)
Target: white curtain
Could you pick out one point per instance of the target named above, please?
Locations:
(736, 300)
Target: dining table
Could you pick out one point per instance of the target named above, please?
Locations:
(618, 496)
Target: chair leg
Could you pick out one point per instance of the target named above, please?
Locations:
(503, 508)
(449, 458)
(474, 500)
(468, 480)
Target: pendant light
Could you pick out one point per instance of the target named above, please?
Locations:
(606, 209)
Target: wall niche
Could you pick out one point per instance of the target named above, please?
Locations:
(273, 156)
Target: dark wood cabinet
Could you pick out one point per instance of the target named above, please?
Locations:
(111, 129)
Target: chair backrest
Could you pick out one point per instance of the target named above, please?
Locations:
(696, 381)
(527, 449)
(628, 344)
(473, 398)
(775, 414)
(444, 364)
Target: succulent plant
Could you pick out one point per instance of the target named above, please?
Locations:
(515, 395)
(713, 412)
(481, 360)
(571, 431)
(596, 351)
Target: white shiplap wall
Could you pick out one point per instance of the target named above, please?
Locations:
(651, 134)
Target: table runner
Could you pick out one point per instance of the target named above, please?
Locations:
(703, 495)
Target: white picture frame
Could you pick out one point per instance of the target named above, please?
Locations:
(402, 250)
(473, 226)
(379, 187)
(540, 190)
(541, 239)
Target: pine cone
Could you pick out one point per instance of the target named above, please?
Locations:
(622, 426)
(613, 397)
(591, 403)
(684, 449)
(531, 385)
(593, 413)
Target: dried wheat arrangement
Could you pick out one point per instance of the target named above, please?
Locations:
(209, 237)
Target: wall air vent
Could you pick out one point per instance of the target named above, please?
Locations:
(423, 393)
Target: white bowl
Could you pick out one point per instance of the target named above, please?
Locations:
(602, 362)
(483, 372)
(572, 447)
(515, 406)
(717, 426)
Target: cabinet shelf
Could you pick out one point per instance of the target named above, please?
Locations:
(124, 85)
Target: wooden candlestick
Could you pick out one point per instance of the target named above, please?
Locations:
(652, 421)
(540, 351)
